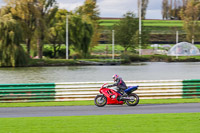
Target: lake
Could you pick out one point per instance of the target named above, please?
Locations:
(135, 71)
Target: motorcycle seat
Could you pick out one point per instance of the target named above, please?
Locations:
(131, 88)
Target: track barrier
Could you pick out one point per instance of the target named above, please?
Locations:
(75, 91)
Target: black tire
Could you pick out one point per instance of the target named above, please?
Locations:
(100, 100)
(134, 100)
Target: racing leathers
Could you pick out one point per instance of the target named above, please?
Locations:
(120, 84)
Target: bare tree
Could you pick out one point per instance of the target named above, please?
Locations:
(184, 3)
(165, 9)
(191, 19)
(171, 8)
(144, 7)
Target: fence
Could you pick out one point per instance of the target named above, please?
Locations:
(74, 91)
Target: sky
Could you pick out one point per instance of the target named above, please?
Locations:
(114, 8)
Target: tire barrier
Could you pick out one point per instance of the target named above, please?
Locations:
(75, 91)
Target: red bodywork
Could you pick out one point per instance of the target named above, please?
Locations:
(109, 93)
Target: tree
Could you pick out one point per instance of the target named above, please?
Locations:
(144, 4)
(25, 12)
(144, 39)
(80, 33)
(11, 52)
(34, 16)
(165, 9)
(127, 31)
(144, 8)
(46, 12)
(57, 31)
(171, 8)
(90, 11)
(88, 32)
(191, 18)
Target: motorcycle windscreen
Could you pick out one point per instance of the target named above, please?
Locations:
(131, 88)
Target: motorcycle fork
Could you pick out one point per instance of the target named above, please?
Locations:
(102, 97)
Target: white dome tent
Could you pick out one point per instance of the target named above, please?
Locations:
(183, 49)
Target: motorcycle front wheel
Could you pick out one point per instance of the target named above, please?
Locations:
(100, 100)
(133, 101)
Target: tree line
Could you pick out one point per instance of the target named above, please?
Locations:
(171, 8)
(186, 10)
(39, 22)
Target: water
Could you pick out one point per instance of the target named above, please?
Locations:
(136, 71)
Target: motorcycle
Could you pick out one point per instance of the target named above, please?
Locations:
(110, 96)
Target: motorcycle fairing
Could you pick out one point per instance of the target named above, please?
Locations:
(109, 93)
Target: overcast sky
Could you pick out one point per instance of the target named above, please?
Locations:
(115, 8)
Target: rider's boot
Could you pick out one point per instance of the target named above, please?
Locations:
(123, 95)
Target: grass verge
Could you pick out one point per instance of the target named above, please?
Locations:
(52, 62)
(143, 123)
(82, 103)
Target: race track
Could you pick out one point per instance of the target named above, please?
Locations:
(93, 110)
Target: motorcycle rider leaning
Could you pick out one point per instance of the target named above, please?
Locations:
(120, 84)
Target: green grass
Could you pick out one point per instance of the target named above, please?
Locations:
(153, 26)
(141, 123)
(187, 57)
(32, 104)
(163, 23)
(157, 23)
(51, 62)
(104, 47)
(102, 60)
(77, 103)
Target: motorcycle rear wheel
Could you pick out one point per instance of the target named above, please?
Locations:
(100, 100)
(133, 101)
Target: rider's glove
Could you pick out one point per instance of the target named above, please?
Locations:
(109, 86)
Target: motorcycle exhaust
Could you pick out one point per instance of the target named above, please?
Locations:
(127, 98)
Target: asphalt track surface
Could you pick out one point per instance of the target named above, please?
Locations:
(93, 110)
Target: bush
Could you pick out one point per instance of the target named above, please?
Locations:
(62, 53)
(76, 56)
(129, 57)
(47, 52)
(51, 62)
(160, 58)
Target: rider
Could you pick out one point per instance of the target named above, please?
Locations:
(120, 84)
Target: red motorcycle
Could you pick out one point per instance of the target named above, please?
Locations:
(110, 96)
